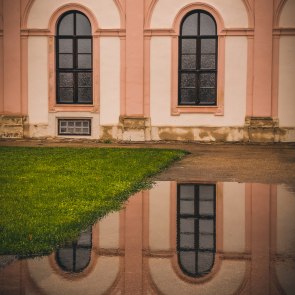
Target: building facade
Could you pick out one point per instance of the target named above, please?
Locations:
(146, 70)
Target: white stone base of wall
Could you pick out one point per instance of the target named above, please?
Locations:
(140, 130)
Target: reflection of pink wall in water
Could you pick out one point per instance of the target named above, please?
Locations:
(260, 238)
(136, 267)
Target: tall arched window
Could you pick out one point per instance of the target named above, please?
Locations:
(74, 59)
(196, 234)
(197, 73)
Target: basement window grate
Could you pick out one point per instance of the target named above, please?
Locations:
(74, 127)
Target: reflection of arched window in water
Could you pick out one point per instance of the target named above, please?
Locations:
(76, 256)
(196, 238)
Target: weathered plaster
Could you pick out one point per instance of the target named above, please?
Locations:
(12, 126)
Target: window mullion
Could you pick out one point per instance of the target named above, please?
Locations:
(197, 228)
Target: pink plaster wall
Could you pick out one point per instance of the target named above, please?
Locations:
(134, 57)
(1, 58)
(262, 58)
(12, 57)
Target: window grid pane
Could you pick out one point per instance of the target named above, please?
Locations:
(74, 127)
(198, 56)
(74, 59)
(196, 217)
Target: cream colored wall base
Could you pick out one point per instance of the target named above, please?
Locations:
(133, 129)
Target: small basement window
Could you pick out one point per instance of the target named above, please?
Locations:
(74, 127)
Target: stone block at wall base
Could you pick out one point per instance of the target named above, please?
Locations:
(261, 129)
(12, 126)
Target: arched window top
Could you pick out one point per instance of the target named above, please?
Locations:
(198, 23)
(73, 23)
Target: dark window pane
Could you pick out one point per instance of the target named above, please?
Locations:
(85, 94)
(206, 208)
(65, 46)
(189, 46)
(188, 62)
(66, 26)
(207, 191)
(83, 26)
(206, 241)
(82, 259)
(187, 225)
(208, 46)
(65, 259)
(190, 25)
(188, 80)
(187, 241)
(208, 61)
(187, 192)
(188, 261)
(207, 80)
(188, 96)
(66, 79)
(207, 95)
(206, 226)
(205, 262)
(65, 61)
(207, 25)
(84, 61)
(84, 45)
(66, 94)
(84, 79)
(187, 207)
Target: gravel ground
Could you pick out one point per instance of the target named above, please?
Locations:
(260, 163)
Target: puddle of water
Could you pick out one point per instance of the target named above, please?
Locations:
(177, 238)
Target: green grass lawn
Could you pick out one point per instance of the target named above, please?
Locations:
(48, 195)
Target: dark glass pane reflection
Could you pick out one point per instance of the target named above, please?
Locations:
(208, 95)
(65, 61)
(65, 46)
(66, 25)
(83, 26)
(190, 25)
(84, 61)
(76, 257)
(196, 228)
(208, 61)
(207, 80)
(188, 96)
(66, 94)
(85, 94)
(188, 80)
(188, 62)
(208, 46)
(207, 25)
(84, 79)
(189, 46)
(66, 79)
(84, 45)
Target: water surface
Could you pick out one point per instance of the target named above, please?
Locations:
(187, 237)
